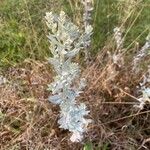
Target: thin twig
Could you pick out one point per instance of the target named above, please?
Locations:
(119, 119)
(122, 103)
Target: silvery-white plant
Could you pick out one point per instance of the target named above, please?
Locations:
(87, 14)
(145, 90)
(87, 17)
(3, 80)
(118, 37)
(66, 41)
(117, 57)
(141, 54)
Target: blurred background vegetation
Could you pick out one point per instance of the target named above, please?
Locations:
(23, 30)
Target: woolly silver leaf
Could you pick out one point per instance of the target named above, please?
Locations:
(66, 41)
(56, 99)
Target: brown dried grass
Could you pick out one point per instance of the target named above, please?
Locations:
(111, 94)
(28, 121)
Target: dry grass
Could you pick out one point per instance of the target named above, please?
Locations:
(29, 121)
(111, 95)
